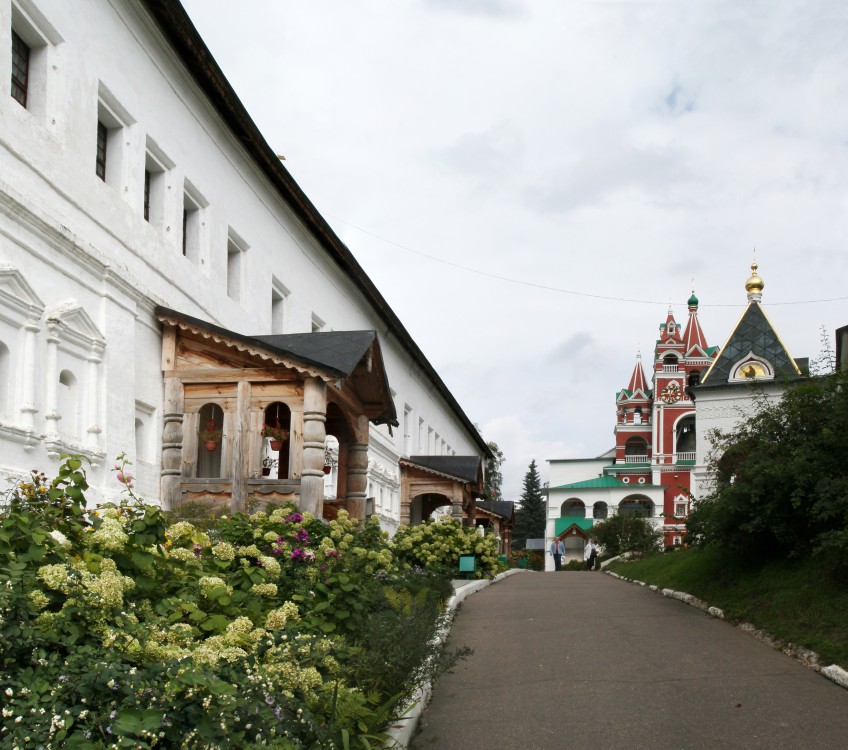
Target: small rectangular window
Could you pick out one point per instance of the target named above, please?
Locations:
(102, 140)
(193, 208)
(234, 261)
(147, 195)
(191, 228)
(236, 249)
(279, 293)
(20, 69)
(156, 166)
(112, 121)
(317, 324)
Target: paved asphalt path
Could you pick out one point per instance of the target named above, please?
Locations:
(582, 660)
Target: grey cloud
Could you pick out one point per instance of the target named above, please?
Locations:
(591, 180)
(482, 154)
(572, 347)
(493, 8)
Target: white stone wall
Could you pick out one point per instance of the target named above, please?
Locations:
(722, 409)
(79, 241)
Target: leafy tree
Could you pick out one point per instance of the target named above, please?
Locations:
(619, 534)
(825, 362)
(493, 479)
(780, 482)
(530, 517)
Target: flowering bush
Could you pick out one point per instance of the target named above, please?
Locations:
(122, 627)
(439, 545)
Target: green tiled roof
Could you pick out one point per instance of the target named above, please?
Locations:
(591, 484)
(565, 522)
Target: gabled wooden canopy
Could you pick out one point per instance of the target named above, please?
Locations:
(353, 358)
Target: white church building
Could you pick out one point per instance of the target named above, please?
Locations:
(164, 281)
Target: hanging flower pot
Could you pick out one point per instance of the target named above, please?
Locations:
(327, 468)
(211, 445)
(266, 471)
(276, 445)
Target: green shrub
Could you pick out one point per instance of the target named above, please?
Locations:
(619, 534)
(123, 628)
(437, 546)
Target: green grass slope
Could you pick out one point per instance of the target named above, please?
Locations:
(795, 601)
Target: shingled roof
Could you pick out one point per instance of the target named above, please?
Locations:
(464, 468)
(755, 334)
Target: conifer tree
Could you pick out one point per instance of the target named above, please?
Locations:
(530, 517)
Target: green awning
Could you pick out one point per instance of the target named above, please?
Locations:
(566, 522)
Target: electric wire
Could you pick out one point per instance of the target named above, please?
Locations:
(559, 290)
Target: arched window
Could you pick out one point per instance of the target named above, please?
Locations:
(600, 510)
(573, 508)
(276, 431)
(636, 506)
(685, 438)
(636, 451)
(69, 403)
(694, 378)
(210, 438)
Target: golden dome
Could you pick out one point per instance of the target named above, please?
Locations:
(755, 283)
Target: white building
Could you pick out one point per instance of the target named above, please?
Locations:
(141, 209)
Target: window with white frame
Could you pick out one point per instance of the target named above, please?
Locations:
(279, 303)
(32, 38)
(680, 510)
(236, 249)
(317, 324)
(112, 120)
(193, 205)
(156, 166)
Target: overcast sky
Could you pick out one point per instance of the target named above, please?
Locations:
(530, 183)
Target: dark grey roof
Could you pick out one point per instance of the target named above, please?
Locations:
(505, 508)
(465, 468)
(338, 350)
(754, 333)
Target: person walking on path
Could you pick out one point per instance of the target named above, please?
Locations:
(590, 554)
(557, 550)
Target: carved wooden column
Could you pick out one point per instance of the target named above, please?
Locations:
(170, 480)
(456, 502)
(240, 448)
(173, 407)
(314, 435)
(357, 479)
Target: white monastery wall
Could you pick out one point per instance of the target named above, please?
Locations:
(569, 471)
(723, 409)
(82, 242)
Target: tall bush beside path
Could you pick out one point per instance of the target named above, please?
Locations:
(781, 488)
(438, 546)
(120, 628)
